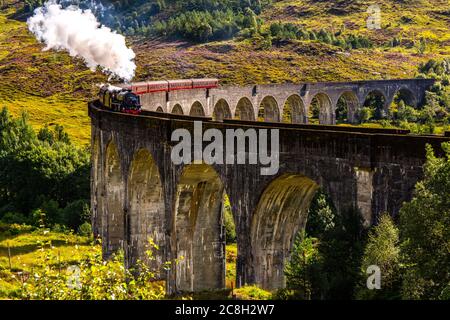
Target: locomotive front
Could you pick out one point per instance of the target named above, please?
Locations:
(119, 99)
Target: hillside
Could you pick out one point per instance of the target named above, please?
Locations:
(53, 87)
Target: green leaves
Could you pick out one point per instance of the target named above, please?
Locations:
(425, 231)
(36, 169)
(92, 279)
(382, 250)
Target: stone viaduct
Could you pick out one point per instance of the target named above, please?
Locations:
(286, 102)
(139, 193)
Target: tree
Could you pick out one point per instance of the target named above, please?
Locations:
(325, 263)
(303, 268)
(35, 171)
(342, 249)
(425, 231)
(365, 114)
(382, 250)
(321, 216)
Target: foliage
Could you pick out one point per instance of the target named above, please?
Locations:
(92, 279)
(231, 257)
(342, 250)
(382, 250)
(425, 232)
(230, 227)
(334, 246)
(288, 31)
(61, 265)
(321, 217)
(304, 267)
(85, 230)
(252, 293)
(35, 171)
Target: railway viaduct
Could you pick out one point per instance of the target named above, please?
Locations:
(286, 102)
(138, 193)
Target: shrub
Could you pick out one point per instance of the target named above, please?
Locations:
(92, 279)
(85, 230)
(14, 218)
(252, 293)
(76, 213)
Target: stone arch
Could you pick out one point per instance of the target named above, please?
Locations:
(244, 110)
(406, 95)
(268, 110)
(146, 214)
(114, 202)
(159, 109)
(177, 109)
(294, 110)
(198, 230)
(377, 100)
(280, 214)
(321, 109)
(346, 107)
(197, 110)
(221, 110)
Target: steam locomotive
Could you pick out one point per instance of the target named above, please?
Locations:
(126, 98)
(119, 99)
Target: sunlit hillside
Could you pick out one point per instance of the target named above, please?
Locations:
(54, 88)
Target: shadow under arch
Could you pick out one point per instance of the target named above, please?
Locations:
(294, 110)
(159, 109)
(281, 212)
(199, 230)
(376, 100)
(146, 212)
(321, 109)
(244, 110)
(406, 95)
(347, 107)
(197, 110)
(268, 110)
(113, 201)
(221, 110)
(177, 109)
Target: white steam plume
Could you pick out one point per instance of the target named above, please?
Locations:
(80, 33)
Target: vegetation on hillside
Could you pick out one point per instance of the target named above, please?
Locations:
(291, 40)
(35, 172)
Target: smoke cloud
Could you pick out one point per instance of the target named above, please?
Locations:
(80, 33)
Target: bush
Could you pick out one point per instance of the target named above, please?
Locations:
(365, 114)
(85, 230)
(76, 213)
(92, 279)
(14, 218)
(252, 293)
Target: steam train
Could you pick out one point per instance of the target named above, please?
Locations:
(119, 99)
(126, 98)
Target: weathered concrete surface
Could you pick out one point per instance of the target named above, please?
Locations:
(139, 193)
(273, 102)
